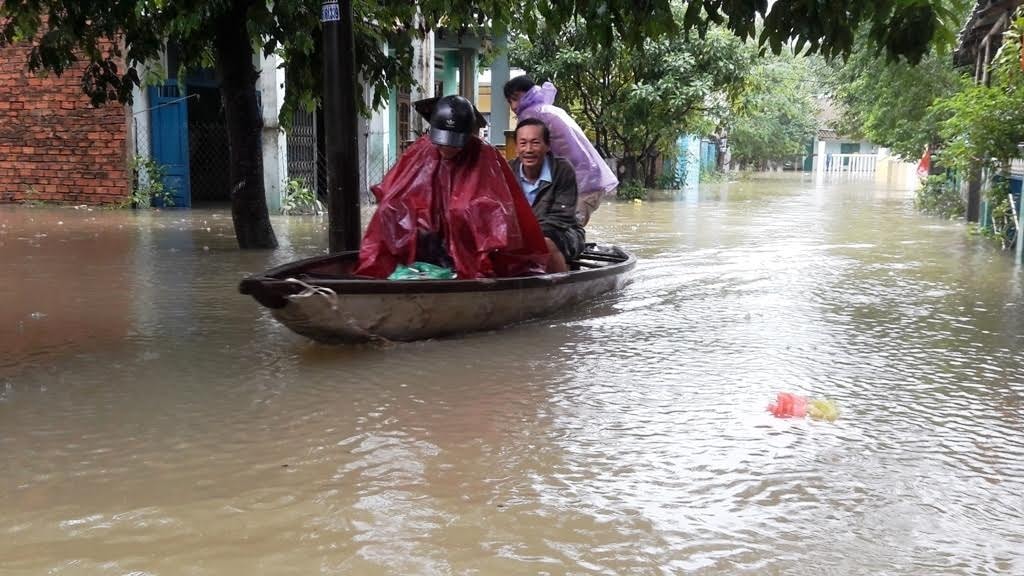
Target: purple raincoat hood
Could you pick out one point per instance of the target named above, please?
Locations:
(537, 96)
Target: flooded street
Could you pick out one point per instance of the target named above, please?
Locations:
(155, 422)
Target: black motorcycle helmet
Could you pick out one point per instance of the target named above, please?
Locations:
(452, 122)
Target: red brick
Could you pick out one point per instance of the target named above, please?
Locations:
(53, 141)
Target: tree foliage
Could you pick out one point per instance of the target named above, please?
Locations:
(114, 37)
(890, 103)
(94, 29)
(775, 115)
(900, 28)
(635, 100)
(983, 124)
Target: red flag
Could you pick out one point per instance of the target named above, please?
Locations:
(925, 165)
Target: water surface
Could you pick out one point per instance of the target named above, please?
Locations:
(153, 421)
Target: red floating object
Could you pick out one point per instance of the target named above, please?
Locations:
(789, 405)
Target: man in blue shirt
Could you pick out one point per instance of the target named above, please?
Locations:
(549, 184)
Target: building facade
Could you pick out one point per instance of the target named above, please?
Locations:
(54, 145)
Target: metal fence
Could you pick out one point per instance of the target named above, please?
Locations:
(308, 163)
(209, 161)
(208, 156)
(376, 161)
(305, 161)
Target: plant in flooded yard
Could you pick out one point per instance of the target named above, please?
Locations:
(300, 199)
(712, 176)
(938, 196)
(31, 197)
(631, 190)
(1002, 223)
(670, 180)
(147, 184)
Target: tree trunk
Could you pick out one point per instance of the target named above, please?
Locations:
(234, 56)
(628, 168)
(720, 141)
(651, 165)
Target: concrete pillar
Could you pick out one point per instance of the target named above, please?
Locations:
(377, 158)
(822, 158)
(423, 68)
(275, 143)
(499, 107)
(393, 143)
(140, 122)
(467, 74)
(138, 129)
(423, 72)
(364, 145)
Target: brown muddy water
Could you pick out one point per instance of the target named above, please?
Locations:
(155, 422)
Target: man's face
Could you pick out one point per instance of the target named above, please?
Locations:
(448, 152)
(513, 100)
(530, 145)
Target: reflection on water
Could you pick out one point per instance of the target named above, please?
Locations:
(153, 421)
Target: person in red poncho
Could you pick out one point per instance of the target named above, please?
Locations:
(453, 201)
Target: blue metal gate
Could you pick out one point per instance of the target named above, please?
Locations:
(168, 122)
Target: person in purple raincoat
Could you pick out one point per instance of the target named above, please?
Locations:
(593, 177)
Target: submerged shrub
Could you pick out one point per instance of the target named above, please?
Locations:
(631, 190)
(940, 197)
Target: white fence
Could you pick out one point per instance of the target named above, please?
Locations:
(1017, 167)
(856, 163)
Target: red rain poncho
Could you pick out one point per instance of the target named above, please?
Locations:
(473, 202)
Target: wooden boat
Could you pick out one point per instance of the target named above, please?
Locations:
(321, 299)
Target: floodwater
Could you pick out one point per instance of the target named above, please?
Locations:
(155, 422)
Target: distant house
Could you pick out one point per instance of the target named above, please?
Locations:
(835, 149)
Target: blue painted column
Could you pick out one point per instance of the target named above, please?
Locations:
(499, 107)
(450, 77)
(688, 163)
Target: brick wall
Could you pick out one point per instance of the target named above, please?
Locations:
(54, 146)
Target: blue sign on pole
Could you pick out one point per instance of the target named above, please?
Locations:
(329, 12)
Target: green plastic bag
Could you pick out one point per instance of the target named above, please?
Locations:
(422, 271)
(823, 409)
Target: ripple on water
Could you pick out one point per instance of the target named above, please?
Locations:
(192, 433)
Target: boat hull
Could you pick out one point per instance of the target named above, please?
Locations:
(339, 309)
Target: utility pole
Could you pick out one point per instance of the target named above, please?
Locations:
(340, 126)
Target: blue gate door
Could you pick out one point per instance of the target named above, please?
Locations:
(168, 121)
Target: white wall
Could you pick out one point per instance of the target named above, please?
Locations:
(378, 157)
(140, 122)
(835, 146)
(275, 148)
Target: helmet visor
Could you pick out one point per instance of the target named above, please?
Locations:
(448, 138)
